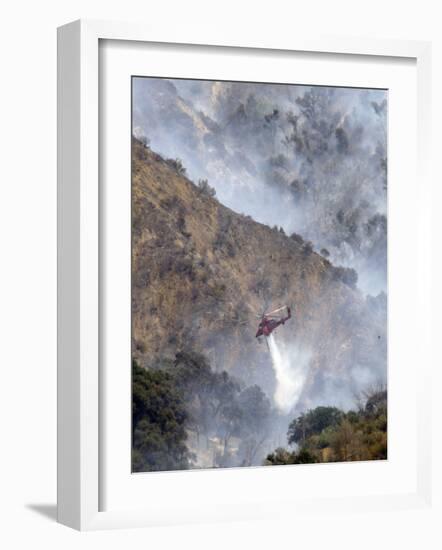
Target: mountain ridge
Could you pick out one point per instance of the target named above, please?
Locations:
(201, 272)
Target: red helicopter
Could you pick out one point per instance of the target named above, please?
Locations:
(270, 321)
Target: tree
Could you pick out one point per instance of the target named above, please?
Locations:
(192, 372)
(281, 457)
(158, 422)
(271, 122)
(326, 434)
(210, 396)
(177, 165)
(224, 392)
(376, 403)
(217, 406)
(230, 422)
(256, 410)
(194, 379)
(307, 248)
(206, 189)
(344, 442)
(347, 275)
(313, 422)
(304, 456)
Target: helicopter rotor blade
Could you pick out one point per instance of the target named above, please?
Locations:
(276, 310)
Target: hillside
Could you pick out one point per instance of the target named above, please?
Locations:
(317, 154)
(201, 272)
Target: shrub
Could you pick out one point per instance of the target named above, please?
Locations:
(297, 238)
(307, 249)
(313, 422)
(282, 456)
(328, 434)
(177, 165)
(158, 433)
(346, 275)
(206, 189)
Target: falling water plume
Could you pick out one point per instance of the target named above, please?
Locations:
(291, 368)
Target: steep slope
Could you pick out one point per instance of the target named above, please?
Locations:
(201, 272)
(323, 150)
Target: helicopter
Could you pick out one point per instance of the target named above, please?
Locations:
(269, 321)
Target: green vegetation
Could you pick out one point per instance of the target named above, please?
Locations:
(326, 434)
(158, 422)
(220, 408)
(314, 422)
(187, 396)
(282, 457)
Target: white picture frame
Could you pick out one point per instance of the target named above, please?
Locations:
(79, 265)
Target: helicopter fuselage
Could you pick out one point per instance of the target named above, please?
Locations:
(268, 325)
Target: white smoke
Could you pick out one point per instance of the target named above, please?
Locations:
(312, 160)
(291, 368)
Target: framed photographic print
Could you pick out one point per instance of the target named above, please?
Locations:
(244, 276)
